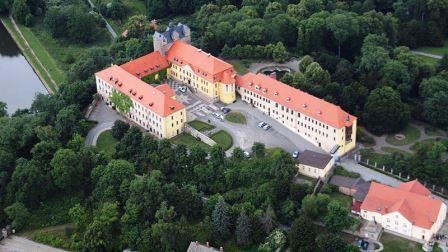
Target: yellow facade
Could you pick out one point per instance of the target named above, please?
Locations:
(216, 91)
(173, 125)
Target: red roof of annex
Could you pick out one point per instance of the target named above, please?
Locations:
(296, 99)
(157, 100)
(411, 199)
(146, 65)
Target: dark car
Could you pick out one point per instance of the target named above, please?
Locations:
(225, 110)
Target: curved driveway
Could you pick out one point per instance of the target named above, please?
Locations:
(105, 117)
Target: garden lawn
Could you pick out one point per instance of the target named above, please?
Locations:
(236, 117)
(189, 141)
(435, 50)
(411, 134)
(394, 243)
(106, 142)
(200, 125)
(429, 60)
(223, 138)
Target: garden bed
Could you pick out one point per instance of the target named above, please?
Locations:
(236, 117)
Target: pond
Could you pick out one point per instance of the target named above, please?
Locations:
(18, 82)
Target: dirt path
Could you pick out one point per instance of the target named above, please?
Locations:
(435, 56)
(28, 47)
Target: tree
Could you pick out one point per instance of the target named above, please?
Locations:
(316, 75)
(119, 129)
(243, 229)
(276, 240)
(99, 235)
(259, 150)
(18, 215)
(81, 26)
(3, 108)
(337, 217)
(66, 170)
(435, 108)
(20, 11)
(305, 62)
(302, 235)
(221, 220)
(442, 65)
(279, 53)
(384, 112)
(67, 120)
(331, 242)
(315, 205)
(79, 216)
(342, 25)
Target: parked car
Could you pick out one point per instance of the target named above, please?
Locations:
(295, 154)
(261, 124)
(183, 89)
(221, 117)
(267, 126)
(215, 115)
(225, 110)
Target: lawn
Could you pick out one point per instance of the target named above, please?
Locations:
(342, 198)
(236, 117)
(223, 138)
(106, 142)
(55, 236)
(339, 170)
(200, 125)
(241, 66)
(189, 141)
(411, 135)
(274, 151)
(435, 50)
(429, 60)
(394, 243)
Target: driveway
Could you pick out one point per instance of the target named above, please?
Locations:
(105, 116)
(369, 174)
(21, 244)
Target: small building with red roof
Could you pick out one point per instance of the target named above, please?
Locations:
(322, 123)
(409, 209)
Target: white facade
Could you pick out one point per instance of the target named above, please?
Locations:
(318, 133)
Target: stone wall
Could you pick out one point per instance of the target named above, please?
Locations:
(197, 134)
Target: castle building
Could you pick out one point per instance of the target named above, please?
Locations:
(164, 40)
(324, 124)
(153, 108)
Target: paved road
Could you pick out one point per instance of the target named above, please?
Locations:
(108, 26)
(369, 174)
(105, 117)
(435, 56)
(21, 244)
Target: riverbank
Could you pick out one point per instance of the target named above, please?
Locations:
(49, 74)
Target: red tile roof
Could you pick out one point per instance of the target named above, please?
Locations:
(421, 210)
(146, 65)
(166, 89)
(415, 187)
(203, 64)
(141, 92)
(296, 99)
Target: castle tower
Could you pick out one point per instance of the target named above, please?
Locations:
(164, 40)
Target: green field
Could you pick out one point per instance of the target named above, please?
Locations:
(236, 117)
(411, 135)
(429, 60)
(200, 125)
(435, 50)
(223, 138)
(106, 142)
(394, 243)
(189, 141)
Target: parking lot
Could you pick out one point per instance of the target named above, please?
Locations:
(244, 136)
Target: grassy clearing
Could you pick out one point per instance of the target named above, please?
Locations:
(106, 142)
(411, 135)
(27, 53)
(394, 243)
(429, 60)
(200, 125)
(236, 117)
(189, 141)
(274, 151)
(435, 50)
(241, 66)
(58, 237)
(394, 150)
(223, 138)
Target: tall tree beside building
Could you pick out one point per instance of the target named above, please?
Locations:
(221, 219)
(302, 235)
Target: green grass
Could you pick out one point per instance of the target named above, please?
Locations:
(236, 117)
(411, 134)
(274, 151)
(55, 238)
(394, 243)
(106, 142)
(223, 138)
(429, 60)
(394, 150)
(431, 131)
(134, 7)
(342, 198)
(200, 125)
(239, 66)
(189, 141)
(29, 56)
(435, 50)
(339, 170)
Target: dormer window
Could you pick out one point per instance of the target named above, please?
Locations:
(111, 78)
(116, 81)
(276, 93)
(250, 83)
(172, 107)
(146, 70)
(265, 90)
(140, 97)
(151, 103)
(130, 90)
(304, 105)
(257, 87)
(120, 84)
(138, 73)
(319, 112)
(134, 93)
(288, 99)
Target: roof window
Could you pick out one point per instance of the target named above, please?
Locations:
(304, 105)
(151, 103)
(140, 97)
(288, 99)
(130, 90)
(134, 93)
(120, 84)
(172, 107)
(276, 93)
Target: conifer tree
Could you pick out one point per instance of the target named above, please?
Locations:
(221, 219)
(243, 229)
